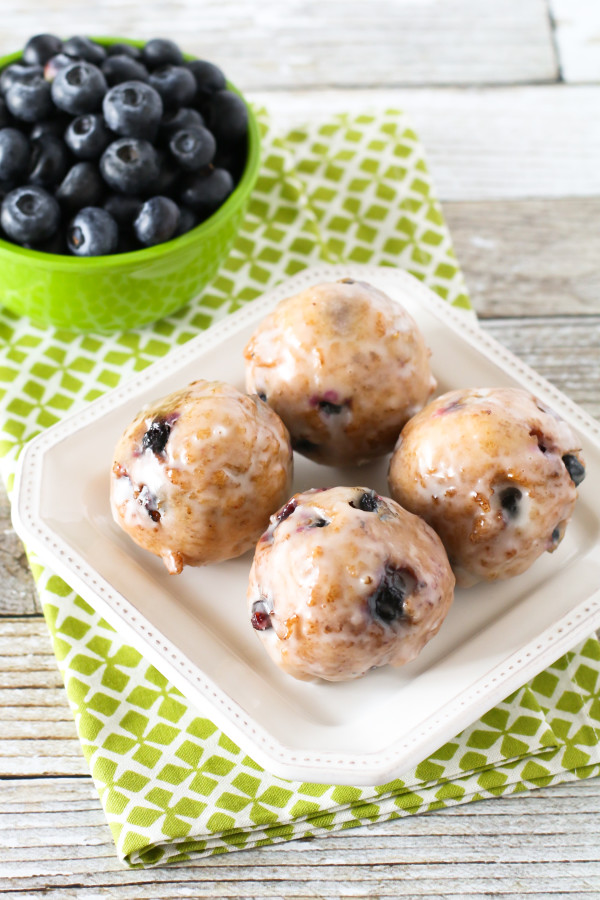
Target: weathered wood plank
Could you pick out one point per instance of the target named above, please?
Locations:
(402, 888)
(41, 757)
(565, 351)
(17, 595)
(577, 36)
(53, 837)
(488, 143)
(258, 880)
(482, 144)
(37, 731)
(529, 257)
(47, 843)
(310, 43)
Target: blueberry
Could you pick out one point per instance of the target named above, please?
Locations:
(55, 64)
(55, 244)
(117, 69)
(54, 126)
(5, 116)
(120, 49)
(575, 469)
(387, 600)
(161, 52)
(92, 232)
(87, 137)
(178, 120)
(175, 84)
(233, 158)
(79, 88)
(206, 192)
(40, 48)
(227, 117)
(261, 615)
(209, 78)
(156, 436)
(319, 523)
(509, 501)
(29, 98)
(15, 73)
(49, 161)
(14, 154)
(127, 243)
(329, 408)
(81, 186)
(133, 109)
(130, 165)
(187, 220)
(123, 208)
(192, 148)
(367, 502)
(157, 221)
(29, 214)
(168, 174)
(555, 536)
(150, 503)
(286, 511)
(306, 447)
(81, 47)
(5, 188)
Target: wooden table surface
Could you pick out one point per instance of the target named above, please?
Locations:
(506, 97)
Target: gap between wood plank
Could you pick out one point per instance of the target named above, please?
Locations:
(309, 42)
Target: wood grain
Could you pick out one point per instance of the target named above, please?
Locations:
(482, 143)
(577, 37)
(529, 257)
(37, 731)
(564, 351)
(53, 837)
(517, 170)
(18, 595)
(311, 44)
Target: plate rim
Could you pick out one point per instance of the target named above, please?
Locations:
(371, 768)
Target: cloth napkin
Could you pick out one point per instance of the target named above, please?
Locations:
(173, 786)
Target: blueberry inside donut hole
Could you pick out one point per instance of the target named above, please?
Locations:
(157, 435)
(387, 602)
(197, 474)
(345, 367)
(509, 500)
(368, 501)
(495, 472)
(344, 581)
(575, 468)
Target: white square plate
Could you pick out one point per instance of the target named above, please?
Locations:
(194, 627)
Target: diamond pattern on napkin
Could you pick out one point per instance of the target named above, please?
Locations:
(355, 189)
(172, 785)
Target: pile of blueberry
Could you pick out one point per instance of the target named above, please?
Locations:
(112, 149)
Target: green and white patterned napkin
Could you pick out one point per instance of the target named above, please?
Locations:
(355, 188)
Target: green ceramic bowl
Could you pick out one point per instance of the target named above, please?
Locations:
(109, 293)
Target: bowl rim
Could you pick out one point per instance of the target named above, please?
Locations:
(59, 261)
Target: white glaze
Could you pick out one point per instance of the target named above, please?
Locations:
(226, 465)
(349, 344)
(454, 459)
(318, 582)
